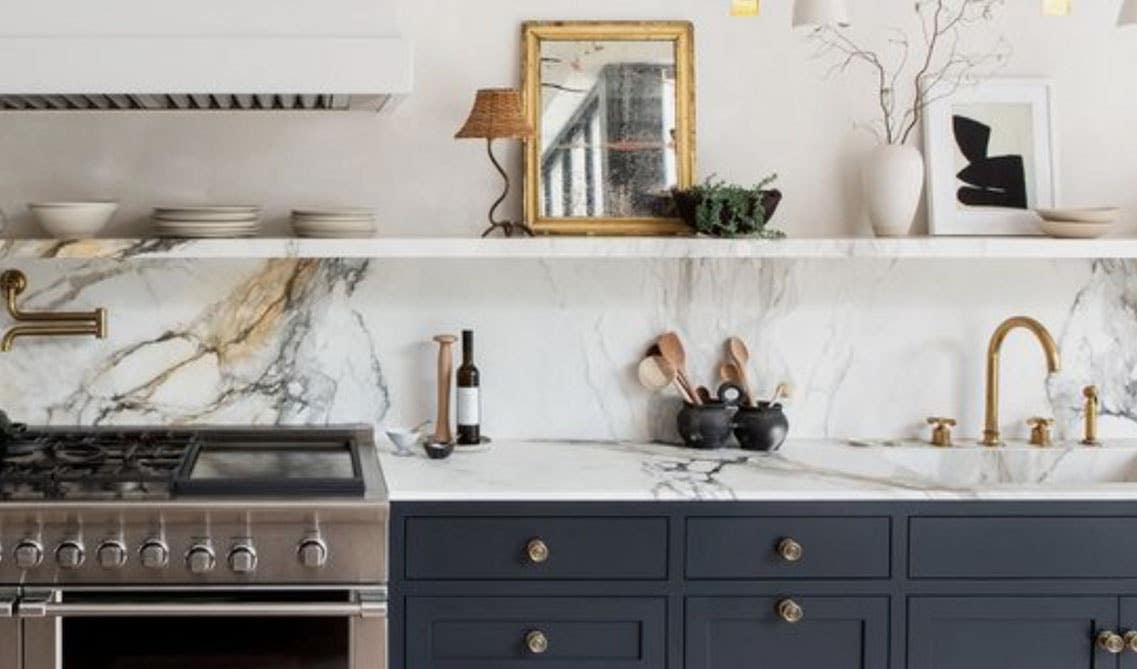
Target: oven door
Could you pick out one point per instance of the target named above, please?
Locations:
(252, 628)
(9, 631)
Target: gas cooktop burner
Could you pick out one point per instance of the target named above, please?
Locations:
(98, 465)
(153, 463)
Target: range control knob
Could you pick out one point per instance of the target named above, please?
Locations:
(201, 559)
(28, 554)
(243, 559)
(313, 553)
(70, 555)
(111, 554)
(154, 554)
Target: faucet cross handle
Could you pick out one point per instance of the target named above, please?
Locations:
(941, 430)
(1040, 431)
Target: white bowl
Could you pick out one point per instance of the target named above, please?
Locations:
(1080, 215)
(1075, 229)
(73, 220)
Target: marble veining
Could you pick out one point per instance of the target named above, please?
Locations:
(871, 346)
(802, 470)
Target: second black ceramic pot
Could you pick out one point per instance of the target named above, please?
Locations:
(761, 428)
(705, 427)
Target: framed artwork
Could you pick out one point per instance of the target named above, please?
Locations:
(991, 158)
(613, 108)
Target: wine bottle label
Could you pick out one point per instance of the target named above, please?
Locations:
(469, 406)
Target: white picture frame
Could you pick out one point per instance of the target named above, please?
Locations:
(947, 214)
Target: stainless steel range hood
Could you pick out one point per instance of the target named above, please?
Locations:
(208, 55)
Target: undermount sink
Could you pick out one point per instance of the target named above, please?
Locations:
(979, 467)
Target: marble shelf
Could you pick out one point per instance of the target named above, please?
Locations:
(569, 248)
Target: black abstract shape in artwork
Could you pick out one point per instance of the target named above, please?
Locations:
(993, 181)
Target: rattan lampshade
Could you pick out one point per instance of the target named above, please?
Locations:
(496, 115)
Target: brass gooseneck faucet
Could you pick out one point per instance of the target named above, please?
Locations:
(57, 324)
(991, 433)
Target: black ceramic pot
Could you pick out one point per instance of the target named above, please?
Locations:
(705, 427)
(761, 428)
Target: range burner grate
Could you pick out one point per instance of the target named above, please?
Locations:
(92, 465)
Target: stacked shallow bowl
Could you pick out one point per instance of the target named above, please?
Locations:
(1083, 223)
(334, 222)
(207, 222)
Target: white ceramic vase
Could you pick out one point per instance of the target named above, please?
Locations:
(893, 181)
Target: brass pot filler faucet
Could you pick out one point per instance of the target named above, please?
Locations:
(37, 324)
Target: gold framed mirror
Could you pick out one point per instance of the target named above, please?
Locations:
(613, 109)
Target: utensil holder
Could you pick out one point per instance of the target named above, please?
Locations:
(705, 427)
(761, 428)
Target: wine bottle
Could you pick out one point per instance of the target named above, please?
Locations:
(469, 395)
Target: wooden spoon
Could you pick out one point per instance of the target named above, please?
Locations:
(655, 373)
(442, 432)
(729, 372)
(671, 348)
(737, 353)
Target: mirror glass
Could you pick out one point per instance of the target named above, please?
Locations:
(608, 128)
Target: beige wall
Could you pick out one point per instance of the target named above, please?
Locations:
(763, 107)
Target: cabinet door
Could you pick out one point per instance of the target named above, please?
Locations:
(1002, 632)
(833, 633)
(1128, 625)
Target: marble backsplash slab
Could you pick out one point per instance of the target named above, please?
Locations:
(871, 346)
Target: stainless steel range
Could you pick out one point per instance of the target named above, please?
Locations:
(179, 548)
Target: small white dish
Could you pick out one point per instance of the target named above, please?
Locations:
(407, 441)
(73, 220)
(1080, 215)
(1075, 229)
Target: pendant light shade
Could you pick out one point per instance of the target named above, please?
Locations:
(1128, 13)
(824, 13)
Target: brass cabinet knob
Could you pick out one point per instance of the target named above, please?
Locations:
(941, 430)
(790, 550)
(791, 612)
(1111, 642)
(537, 551)
(1131, 641)
(538, 644)
(1040, 431)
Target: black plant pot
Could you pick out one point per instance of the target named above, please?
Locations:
(687, 206)
(705, 427)
(761, 428)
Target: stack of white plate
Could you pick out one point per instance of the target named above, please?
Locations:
(1084, 223)
(334, 223)
(207, 222)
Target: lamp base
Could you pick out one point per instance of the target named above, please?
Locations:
(509, 228)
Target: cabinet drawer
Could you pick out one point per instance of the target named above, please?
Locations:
(489, 633)
(1023, 547)
(750, 548)
(498, 548)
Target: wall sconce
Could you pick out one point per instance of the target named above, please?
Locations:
(57, 324)
(822, 13)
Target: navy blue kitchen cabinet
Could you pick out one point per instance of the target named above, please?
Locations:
(1004, 632)
(833, 632)
(703, 585)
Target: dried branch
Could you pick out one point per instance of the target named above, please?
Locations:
(942, 69)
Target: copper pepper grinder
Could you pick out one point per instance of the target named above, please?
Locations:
(442, 431)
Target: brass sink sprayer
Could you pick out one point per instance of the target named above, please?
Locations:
(37, 324)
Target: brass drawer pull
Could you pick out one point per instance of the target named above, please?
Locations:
(537, 551)
(1131, 641)
(1111, 642)
(791, 612)
(790, 550)
(538, 644)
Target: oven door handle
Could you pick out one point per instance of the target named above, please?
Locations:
(52, 608)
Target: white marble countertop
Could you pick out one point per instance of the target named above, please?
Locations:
(801, 471)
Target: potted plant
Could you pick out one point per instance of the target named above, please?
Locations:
(941, 63)
(718, 209)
